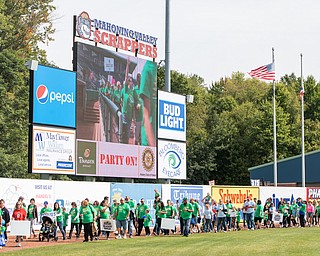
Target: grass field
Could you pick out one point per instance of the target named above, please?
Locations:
(291, 241)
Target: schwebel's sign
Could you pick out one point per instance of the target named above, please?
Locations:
(116, 36)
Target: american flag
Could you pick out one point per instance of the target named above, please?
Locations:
(301, 94)
(266, 72)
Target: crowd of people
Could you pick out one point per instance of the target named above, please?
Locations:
(131, 218)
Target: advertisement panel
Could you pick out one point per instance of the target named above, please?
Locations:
(178, 192)
(120, 160)
(313, 193)
(78, 191)
(172, 162)
(172, 116)
(236, 194)
(86, 158)
(40, 190)
(53, 150)
(117, 108)
(286, 193)
(135, 192)
(54, 97)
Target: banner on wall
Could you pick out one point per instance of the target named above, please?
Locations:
(172, 163)
(135, 191)
(53, 150)
(286, 193)
(237, 195)
(178, 192)
(313, 193)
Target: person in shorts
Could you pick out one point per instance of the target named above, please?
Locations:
(122, 215)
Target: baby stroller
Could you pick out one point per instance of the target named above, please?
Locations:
(48, 228)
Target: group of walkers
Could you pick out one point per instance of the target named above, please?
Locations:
(131, 218)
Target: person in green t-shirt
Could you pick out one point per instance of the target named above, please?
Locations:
(302, 211)
(186, 211)
(238, 218)
(146, 222)
(141, 213)
(258, 214)
(65, 216)
(59, 220)
(96, 223)
(148, 93)
(131, 215)
(127, 106)
(195, 215)
(88, 215)
(122, 215)
(138, 111)
(169, 215)
(104, 215)
(32, 216)
(161, 214)
(45, 209)
(74, 218)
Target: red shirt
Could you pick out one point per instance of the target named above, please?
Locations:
(19, 214)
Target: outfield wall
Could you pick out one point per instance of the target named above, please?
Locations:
(66, 192)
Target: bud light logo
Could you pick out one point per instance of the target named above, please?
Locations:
(42, 94)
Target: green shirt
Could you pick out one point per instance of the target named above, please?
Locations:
(147, 220)
(238, 216)
(74, 213)
(162, 213)
(59, 215)
(196, 207)
(30, 212)
(116, 96)
(169, 210)
(284, 210)
(229, 207)
(303, 208)
(142, 210)
(127, 103)
(184, 213)
(259, 211)
(87, 212)
(65, 218)
(148, 89)
(44, 210)
(122, 211)
(105, 213)
(138, 101)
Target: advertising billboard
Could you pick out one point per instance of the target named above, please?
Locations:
(52, 150)
(178, 192)
(172, 116)
(172, 162)
(53, 97)
(313, 193)
(285, 193)
(116, 109)
(236, 194)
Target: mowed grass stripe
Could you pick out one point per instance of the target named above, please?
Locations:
(290, 241)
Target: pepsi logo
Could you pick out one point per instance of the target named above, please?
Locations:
(42, 94)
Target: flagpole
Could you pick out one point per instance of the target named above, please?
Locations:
(275, 170)
(302, 129)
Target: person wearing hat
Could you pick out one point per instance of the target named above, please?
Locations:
(185, 211)
(45, 208)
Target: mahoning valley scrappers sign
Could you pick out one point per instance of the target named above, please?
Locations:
(107, 33)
